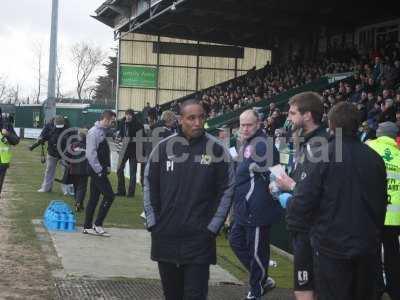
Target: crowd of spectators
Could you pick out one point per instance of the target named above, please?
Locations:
(374, 87)
(262, 84)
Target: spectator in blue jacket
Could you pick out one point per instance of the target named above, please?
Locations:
(254, 208)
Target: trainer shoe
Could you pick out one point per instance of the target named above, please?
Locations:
(99, 230)
(88, 231)
(269, 285)
(43, 191)
(250, 296)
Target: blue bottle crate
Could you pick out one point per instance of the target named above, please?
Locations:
(59, 216)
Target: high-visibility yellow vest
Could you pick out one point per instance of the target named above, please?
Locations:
(5, 152)
(389, 151)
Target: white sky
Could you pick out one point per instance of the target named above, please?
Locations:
(26, 23)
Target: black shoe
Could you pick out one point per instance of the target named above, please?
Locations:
(119, 194)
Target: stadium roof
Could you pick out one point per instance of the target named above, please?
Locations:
(252, 23)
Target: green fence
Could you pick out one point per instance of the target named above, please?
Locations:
(31, 116)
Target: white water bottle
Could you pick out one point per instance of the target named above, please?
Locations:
(275, 191)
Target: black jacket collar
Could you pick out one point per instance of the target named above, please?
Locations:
(256, 134)
(319, 131)
(192, 141)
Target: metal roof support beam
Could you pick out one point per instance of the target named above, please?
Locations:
(149, 8)
(106, 21)
(117, 35)
(122, 10)
(176, 4)
(154, 9)
(217, 25)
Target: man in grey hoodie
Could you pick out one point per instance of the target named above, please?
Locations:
(98, 156)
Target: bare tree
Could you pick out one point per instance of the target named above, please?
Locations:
(86, 59)
(37, 49)
(59, 72)
(89, 92)
(3, 88)
(58, 81)
(13, 95)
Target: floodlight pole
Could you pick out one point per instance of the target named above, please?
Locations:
(49, 106)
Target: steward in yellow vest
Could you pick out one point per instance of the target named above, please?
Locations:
(387, 148)
(8, 137)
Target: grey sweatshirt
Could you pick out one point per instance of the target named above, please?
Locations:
(96, 135)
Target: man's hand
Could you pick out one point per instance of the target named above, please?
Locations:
(4, 132)
(285, 183)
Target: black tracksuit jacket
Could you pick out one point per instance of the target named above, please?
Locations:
(310, 147)
(345, 199)
(186, 202)
(130, 130)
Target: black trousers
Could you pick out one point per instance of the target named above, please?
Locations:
(391, 260)
(142, 168)
(98, 185)
(3, 172)
(184, 282)
(80, 186)
(128, 155)
(342, 279)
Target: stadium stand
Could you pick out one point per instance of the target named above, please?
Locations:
(308, 41)
(375, 81)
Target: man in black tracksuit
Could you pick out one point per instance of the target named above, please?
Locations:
(128, 129)
(78, 168)
(305, 115)
(98, 157)
(187, 195)
(344, 199)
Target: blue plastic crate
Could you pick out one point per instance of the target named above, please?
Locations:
(59, 216)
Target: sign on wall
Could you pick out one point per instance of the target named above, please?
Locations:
(134, 76)
(32, 133)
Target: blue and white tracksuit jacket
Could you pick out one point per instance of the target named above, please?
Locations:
(254, 208)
